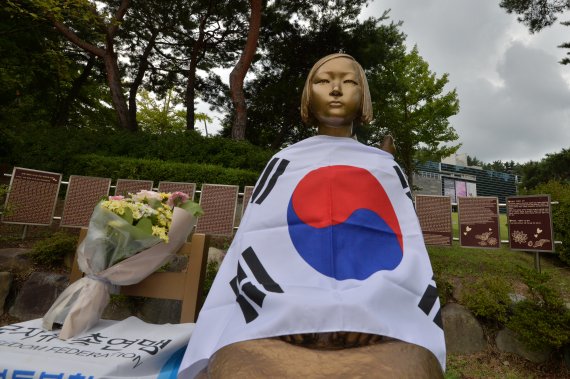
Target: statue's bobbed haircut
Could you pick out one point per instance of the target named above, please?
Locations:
(365, 115)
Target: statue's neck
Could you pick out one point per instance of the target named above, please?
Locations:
(335, 131)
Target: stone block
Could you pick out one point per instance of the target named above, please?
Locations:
(14, 260)
(37, 295)
(216, 255)
(5, 284)
(463, 334)
(161, 311)
(508, 342)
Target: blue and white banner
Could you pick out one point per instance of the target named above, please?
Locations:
(112, 349)
(330, 241)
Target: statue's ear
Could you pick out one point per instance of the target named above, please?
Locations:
(387, 144)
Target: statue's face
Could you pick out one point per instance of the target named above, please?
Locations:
(336, 96)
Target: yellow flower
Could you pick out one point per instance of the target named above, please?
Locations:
(160, 232)
(115, 206)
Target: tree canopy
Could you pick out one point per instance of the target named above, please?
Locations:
(539, 14)
(412, 105)
(142, 65)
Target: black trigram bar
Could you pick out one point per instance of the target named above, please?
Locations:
(428, 299)
(437, 319)
(427, 303)
(263, 179)
(240, 273)
(278, 172)
(253, 293)
(248, 288)
(401, 176)
(249, 313)
(403, 182)
(259, 271)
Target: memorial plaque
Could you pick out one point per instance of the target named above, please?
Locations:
(83, 193)
(32, 197)
(126, 186)
(479, 222)
(247, 192)
(530, 223)
(187, 188)
(434, 214)
(219, 203)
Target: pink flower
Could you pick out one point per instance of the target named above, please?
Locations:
(177, 198)
(118, 197)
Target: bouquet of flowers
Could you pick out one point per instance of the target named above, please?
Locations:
(128, 239)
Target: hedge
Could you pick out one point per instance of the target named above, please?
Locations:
(158, 170)
(51, 149)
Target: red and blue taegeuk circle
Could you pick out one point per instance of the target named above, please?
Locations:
(343, 224)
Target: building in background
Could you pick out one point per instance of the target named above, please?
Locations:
(453, 177)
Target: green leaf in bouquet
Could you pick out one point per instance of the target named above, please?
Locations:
(192, 208)
(145, 226)
(128, 215)
(153, 203)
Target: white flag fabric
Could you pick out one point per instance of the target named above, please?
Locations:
(330, 241)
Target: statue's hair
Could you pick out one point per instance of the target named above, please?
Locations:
(365, 115)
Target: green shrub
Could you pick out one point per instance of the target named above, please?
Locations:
(538, 325)
(541, 320)
(211, 271)
(488, 297)
(4, 189)
(560, 215)
(41, 148)
(157, 170)
(445, 290)
(52, 250)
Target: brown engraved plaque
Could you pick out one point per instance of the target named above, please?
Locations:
(530, 223)
(479, 222)
(32, 197)
(219, 204)
(187, 188)
(126, 186)
(83, 193)
(434, 214)
(247, 192)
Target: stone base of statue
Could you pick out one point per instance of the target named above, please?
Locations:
(274, 358)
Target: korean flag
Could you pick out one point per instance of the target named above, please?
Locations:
(330, 242)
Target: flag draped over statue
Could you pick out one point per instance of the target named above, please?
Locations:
(330, 242)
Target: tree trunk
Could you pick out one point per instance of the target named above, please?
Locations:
(109, 59)
(190, 95)
(143, 65)
(237, 75)
(62, 114)
(117, 96)
(191, 83)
